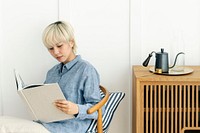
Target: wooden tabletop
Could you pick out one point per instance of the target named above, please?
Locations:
(143, 73)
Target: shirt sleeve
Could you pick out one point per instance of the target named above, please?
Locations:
(91, 94)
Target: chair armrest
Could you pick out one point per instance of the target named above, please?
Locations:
(101, 103)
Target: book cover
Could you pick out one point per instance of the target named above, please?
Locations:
(40, 100)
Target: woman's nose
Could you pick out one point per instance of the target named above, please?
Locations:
(56, 51)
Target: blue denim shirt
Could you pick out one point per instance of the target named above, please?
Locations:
(79, 81)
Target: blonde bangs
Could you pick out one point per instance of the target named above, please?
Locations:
(58, 32)
(52, 36)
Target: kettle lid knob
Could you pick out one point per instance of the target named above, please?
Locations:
(162, 50)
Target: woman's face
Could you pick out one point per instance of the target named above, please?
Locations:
(63, 51)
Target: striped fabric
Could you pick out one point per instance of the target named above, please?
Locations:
(110, 108)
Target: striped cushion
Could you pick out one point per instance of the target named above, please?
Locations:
(110, 108)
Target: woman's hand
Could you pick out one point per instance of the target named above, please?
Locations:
(67, 106)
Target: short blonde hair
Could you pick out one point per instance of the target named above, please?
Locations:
(57, 32)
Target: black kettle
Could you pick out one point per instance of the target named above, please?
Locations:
(162, 63)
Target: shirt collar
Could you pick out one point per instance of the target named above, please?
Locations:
(71, 63)
(68, 65)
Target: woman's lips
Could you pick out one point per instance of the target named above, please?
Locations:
(59, 57)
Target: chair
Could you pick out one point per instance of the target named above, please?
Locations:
(111, 102)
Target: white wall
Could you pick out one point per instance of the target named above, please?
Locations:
(102, 33)
(1, 42)
(171, 24)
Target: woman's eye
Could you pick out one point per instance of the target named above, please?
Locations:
(50, 48)
(59, 46)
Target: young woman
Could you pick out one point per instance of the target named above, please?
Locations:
(77, 78)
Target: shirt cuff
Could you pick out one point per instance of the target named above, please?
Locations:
(83, 113)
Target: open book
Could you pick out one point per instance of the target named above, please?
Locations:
(40, 100)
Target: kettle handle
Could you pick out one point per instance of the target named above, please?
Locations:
(146, 62)
(176, 59)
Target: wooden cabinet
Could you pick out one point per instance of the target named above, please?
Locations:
(165, 104)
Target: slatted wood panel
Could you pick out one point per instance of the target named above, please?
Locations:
(170, 108)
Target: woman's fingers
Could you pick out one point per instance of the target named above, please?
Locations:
(67, 106)
(62, 104)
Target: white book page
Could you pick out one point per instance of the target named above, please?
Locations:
(19, 82)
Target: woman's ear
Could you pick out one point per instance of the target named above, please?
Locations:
(71, 43)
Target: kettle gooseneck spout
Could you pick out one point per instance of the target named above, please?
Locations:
(176, 59)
